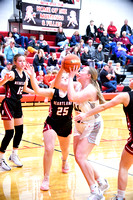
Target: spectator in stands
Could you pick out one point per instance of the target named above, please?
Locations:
(86, 58)
(119, 76)
(8, 38)
(75, 39)
(64, 53)
(81, 46)
(100, 31)
(10, 51)
(38, 62)
(6, 69)
(125, 40)
(99, 57)
(52, 63)
(91, 31)
(126, 28)
(107, 43)
(76, 50)
(21, 40)
(111, 70)
(111, 30)
(40, 79)
(122, 55)
(91, 48)
(117, 37)
(106, 81)
(49, 77)
(42, 44)
(61, 39)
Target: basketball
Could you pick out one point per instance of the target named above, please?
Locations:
(70, 61)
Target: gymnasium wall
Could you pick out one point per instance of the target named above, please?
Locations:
(101, 11)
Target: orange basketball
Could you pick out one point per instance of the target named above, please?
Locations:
(70, 61)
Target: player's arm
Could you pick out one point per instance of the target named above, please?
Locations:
(57, 81)
(122, 98)
(36, 88)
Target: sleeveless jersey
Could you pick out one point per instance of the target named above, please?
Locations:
(60, 110)
(129, 112)
(14, 89)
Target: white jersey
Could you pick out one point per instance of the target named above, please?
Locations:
(91, 127)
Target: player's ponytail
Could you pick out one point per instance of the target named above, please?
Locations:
(94, 82)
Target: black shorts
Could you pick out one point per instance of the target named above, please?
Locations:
(62, 129)
(11, 109)
(129, 144)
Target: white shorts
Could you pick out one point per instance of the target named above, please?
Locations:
(91, 129)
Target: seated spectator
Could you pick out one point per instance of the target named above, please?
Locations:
(21, 40)
(100, 31)
(106, 81)
(107, 43)
(42, 44)
(6, 69)
(91, 48)
(81, 46)
(125, 40)
(2, 60)
(75, 39)
(99, 57)
(122, 55)
(119, 75)
(38, 62)
(52, 63)
(61, 39)
(111, 30)
(86, 58)
(49, 77)
(8, 38)
(126, 28)
(10, 51)
(117, 37)
(76, 50)
(64, 53)
(40, 79)
(91, 31)
(111, 70)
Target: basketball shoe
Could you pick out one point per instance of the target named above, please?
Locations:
(4, 165)
(45, 184)
(104, 187)
(95, 196)
(15, 159)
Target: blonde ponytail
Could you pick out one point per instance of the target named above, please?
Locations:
(94, 82)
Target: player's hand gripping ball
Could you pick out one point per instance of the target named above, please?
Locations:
(70, 61)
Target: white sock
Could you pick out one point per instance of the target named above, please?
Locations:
(15, 151)
(101, 180)
(120, 194)
(94, 188)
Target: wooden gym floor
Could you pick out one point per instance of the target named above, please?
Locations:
(24, 183)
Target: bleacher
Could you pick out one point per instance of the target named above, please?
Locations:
(34, 98)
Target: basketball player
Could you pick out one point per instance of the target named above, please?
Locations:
(86, 95)
(126, 161)
(58, 123)
(11, 110)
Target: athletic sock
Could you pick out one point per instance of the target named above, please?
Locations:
(120, 194)
(15, 151)
(101, 180)
(94, 188)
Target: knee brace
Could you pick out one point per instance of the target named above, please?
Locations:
(6, 140)
(18, 135)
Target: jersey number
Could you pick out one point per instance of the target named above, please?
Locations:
(62, 111)
(20, 90)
